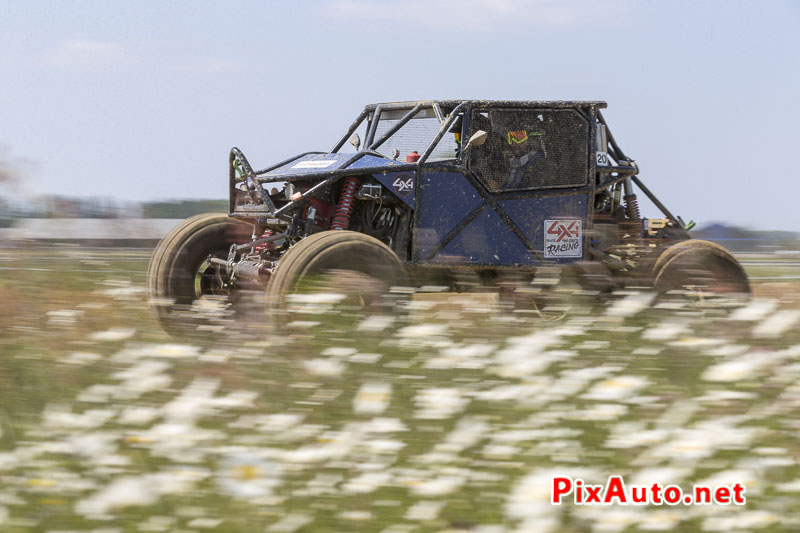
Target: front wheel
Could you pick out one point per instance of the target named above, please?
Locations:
(180, 275)
(357, 269)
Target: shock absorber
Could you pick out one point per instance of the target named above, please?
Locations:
(631, 203)
(632, 207)
(347, 200)
(267, 245)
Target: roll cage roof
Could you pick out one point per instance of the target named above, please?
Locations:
(488, 103)
(446, 111)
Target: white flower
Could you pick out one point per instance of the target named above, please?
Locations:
(660, 520)
(743, 367)
(138, 415)
(372, 398)
(367, 482)
(332, 444)
(664, 475)
(634, 439)
(631, 304)
(717, 396)
(616, 388)
(742, 520)
(525, 356)
(438, 486)
(205, 523)
(364, 358)
(695, 342)
(665, 331)
(778, 323)
(174, 350)
(427, 510)
(382, 425)
(439, 403)
(338, 351)
(611, 519)
(384, 445)
(64, 317)
(355, 515)
(290, 523)
(60, 418)
(279, 422)
(375, 323)
(422, 331)
(499, 451)
(248, 475)
(746, 477)
(120, 493)
(467, 433)
(193, 402)
(600, 411)
(324, 367)
(529, 500)
(145, 376)
(113, 334)
(790, 486)
(465, 356)
(755, 310)
(81, 358)
(703, 440)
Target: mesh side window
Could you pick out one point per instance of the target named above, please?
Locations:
(416, 135)
(530, 149)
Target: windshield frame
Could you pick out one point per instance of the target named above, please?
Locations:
(373, 115)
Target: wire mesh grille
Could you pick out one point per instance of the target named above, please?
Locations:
(530, 149)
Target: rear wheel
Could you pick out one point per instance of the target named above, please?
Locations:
(180, 275)
(349, 269)
(699, 268)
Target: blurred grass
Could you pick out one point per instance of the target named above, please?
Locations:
(56, 301)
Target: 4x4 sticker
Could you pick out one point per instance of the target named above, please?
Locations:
(563, 238)
(403, 184)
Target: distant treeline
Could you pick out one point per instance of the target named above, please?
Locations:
(47, 206)
(183, 208)
(738, 239)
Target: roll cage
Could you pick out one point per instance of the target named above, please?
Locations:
(368, 161)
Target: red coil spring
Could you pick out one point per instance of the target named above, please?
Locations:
(266, 245)
(632, 207)
(347, 200)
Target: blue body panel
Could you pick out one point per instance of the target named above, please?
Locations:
(449, 201)
(316, 163)
(447, 198)
(529, 215)
(402, 184)
(310, 164)
(487, 239)
(369, 161)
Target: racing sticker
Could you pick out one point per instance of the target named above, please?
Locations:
(403, 184)
(563, 238)
(314, 164)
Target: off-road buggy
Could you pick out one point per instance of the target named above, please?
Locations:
(496, 188)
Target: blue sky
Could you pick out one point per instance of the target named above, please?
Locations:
(143, 100)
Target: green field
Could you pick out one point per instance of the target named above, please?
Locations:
(451, 416)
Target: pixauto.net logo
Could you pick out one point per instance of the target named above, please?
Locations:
(615, 492)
